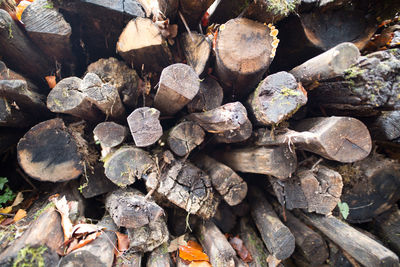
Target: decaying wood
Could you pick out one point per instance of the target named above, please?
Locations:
(94, 182)
(343, 139)
(229, 185)
(359, 246)
(253, 243)
(178, 85)
(278, 161)
(160, 257)
(238, 69)
(10, 116)
(49, 152)
(185, 137)
(215, 245)
(66, 98)
(141, 45)
(386, 126)
(388, 227)
(210, 96)
(130, 259)
(314, 190)
(119, 75)
(197, 49)
(235, 136)
(49, 31)
(276, 98)
(99, 252)
(110, 134)
(19, 53)
(362, 89)
(128, 164)
(145, 127)
(329, 64)
(187, 187)
(371, 186)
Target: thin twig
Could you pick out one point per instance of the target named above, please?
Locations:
(186, 26)
(7, 214)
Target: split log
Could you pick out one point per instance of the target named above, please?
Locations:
(209, 97)
(119, 75)
(314, 190)
(66, 98)
(104, 96)
(329, 64)
(265, 11)
(110, 134)
(215, 245)
(160, 257)
(50, 152)
(388, 228)
(342, 139)
(364, 88)
(278, 161)
(94, 182)
(141, 45)
(229, 185)
(276, 99)
(145, 127)
(187, 187)
(386, 126)
(278, 239)
(50, 32)
(178, 85)
(10, 116)
(196, 48)
(99, 252)
(371, 186)
(99, 23)
(193, 11)
(160, 9)
(19, 53)
(359, 246)
(244, 52)
(229, 121)
(185, 137)
(128, 164)
(253, 243)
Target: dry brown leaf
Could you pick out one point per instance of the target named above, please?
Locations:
(18, 199)
(241, 249)
(123, 243)
(7, 221)
(63, 209)
(5, 210)
(19, 215)
(83, 242)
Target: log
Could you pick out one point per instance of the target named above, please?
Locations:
(127, 165)
(129, 208)
(145, 127)
(178, 85)
(197, 50)
(19, 53)
(94, 182)
(66, 98)
(130, 259)
(141, 45)
(371, 186)
(119, 75)
(363, 89)
(342, 139)
(278, 239)
(215, 245)
(243, 52)
(50, 32)
(387, 228)
(278, 161)
(359, 246)
(110, 134)
(253, 243)
(385, 127)
(235, 136)
(329, 64)
(313, 190)
(50, 152)
(98, 23)
(160, 9)
(209, 97)
(10, 116)
(187, 187)
(185, 137)
(160, 257)
(276, 99)
(229, 185)
(8, 5)
(104, 96)
(99, 252)
(193, 11)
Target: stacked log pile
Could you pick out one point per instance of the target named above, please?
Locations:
(229, 134)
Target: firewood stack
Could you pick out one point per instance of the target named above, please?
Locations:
(270, 124)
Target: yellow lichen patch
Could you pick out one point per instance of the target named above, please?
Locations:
(222, 27)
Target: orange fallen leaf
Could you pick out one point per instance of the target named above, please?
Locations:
(189, 253)
(19, 215)
(194, 244)
(20, 8)
(123, 243)
(51, 81)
